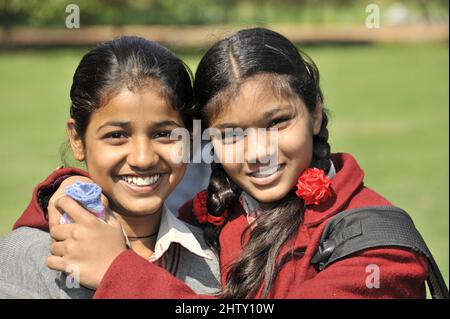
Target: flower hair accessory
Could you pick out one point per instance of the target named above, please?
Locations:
(313, 186)
(89, 196)
(201, 211)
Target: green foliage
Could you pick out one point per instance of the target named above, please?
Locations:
(175, 12)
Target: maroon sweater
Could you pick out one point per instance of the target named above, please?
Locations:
(402, 273)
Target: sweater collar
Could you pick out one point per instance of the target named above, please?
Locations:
(348, 179)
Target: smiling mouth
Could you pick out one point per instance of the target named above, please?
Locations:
(264, 172)
(141, 181)
(266, 175)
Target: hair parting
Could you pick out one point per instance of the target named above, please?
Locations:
(131, 63)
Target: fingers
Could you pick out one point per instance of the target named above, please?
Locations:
(62, 232)
(71, 207)
(56, 263)
(58, 249)
(54, 215)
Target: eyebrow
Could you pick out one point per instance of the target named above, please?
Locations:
(275, 111)
(114, 123)
(128, 124)
(268, 114)
(166, 123)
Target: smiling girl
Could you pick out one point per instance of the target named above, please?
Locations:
(265, 220)
(126, 98)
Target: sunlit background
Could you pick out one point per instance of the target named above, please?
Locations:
(384, 71)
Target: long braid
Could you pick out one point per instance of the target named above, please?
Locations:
(257, 265)
(322, 150)
(222, 195)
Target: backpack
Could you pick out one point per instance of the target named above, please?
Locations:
(379, 226)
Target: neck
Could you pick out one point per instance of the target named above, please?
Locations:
(266, 206)
(255, 204)
(141, 226)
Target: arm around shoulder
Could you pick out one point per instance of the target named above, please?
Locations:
(131, 277)
(35, 215)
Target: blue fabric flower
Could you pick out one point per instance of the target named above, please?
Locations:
(88, 195)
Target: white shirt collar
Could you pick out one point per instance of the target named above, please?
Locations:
(331, 171)
(173, 230)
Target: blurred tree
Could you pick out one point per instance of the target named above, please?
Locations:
(175, 12)
(425, 10)
(116, 7)
(6, 18)
(228, 6)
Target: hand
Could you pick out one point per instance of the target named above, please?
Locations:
(89, 245)
(54, 215)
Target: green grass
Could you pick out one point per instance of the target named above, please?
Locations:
(389, 107)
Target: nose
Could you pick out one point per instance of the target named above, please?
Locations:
(261, 147)
(142, 155)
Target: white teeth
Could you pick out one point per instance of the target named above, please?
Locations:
(153, 179)
(266, 171)
(141, 181)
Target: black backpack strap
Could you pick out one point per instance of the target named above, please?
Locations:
(378, 226)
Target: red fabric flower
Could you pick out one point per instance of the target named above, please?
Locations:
(199, 207)
(201, 211)
(313, 186)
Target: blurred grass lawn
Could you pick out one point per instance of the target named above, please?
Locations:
(389, 107)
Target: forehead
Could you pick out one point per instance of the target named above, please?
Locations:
(147, 104)
(255, 100)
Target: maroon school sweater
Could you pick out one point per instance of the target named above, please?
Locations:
(402, 273)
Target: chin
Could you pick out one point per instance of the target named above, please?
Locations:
(143, 207)
(269, 196)
(142, 211)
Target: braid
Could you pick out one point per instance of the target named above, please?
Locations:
(222, 195)
(321, 148)
(258, 262)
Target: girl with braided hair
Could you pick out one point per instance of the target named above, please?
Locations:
(265, 220)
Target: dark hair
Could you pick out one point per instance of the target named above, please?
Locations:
(130, 62)
(224, 67)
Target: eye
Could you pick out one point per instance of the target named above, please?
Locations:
(232, 136)
(162, 134)
(278, 121)
(116, 135)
